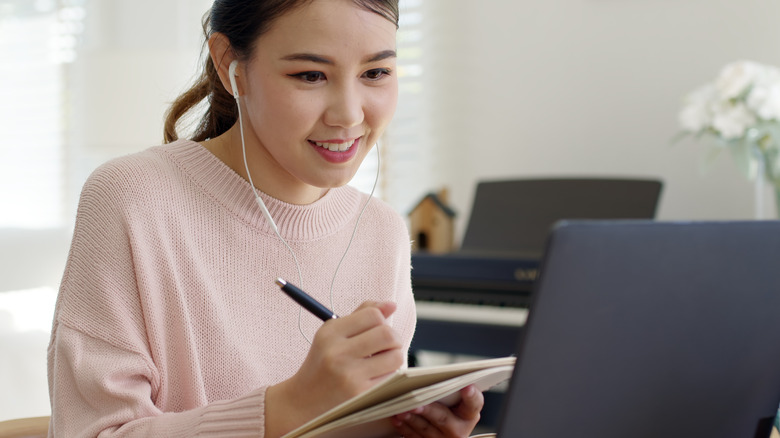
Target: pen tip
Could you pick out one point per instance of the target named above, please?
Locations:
(280, 282)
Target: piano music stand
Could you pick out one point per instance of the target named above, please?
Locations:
(516, 215)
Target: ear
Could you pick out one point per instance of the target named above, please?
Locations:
(222, 55)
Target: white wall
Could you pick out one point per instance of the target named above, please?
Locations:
(590, 87)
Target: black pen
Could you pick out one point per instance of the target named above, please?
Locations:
(306, 300)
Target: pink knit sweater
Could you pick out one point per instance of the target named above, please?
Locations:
(168, 321)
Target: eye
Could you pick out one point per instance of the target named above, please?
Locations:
(311, 77)
(376, 74)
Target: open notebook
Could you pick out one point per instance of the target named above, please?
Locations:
(367, 415)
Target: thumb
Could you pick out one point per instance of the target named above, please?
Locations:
(471, 403)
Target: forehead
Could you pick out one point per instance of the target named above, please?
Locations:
(329, 27)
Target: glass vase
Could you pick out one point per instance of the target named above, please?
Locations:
(765, 172)
(759, 183)
(777, 199)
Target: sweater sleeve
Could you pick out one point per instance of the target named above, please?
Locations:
(103, 380)
(102, 390)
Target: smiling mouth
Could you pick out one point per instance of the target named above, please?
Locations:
(335, 147)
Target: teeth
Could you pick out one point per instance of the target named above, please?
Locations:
(335, 147)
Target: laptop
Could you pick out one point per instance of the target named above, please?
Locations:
(650, 330)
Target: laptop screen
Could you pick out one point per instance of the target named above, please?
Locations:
(651, 329)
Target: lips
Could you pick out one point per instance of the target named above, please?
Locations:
(337, 151)
(334, 146)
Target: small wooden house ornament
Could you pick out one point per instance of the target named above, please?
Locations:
(432, 224)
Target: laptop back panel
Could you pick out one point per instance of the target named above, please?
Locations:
(649, 329)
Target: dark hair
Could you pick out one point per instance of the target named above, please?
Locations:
(242, 22)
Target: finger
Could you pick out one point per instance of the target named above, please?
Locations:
(376, 340)
(380, 351)
(470, 405)
(439, 416)
(384, 364)
(386, 307)
(364, 318)
(415, 424)
(404, 430)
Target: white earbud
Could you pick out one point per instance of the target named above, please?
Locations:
(263, 208)
(232, 73)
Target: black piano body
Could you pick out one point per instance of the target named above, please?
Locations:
(451, 289)
(489, 279)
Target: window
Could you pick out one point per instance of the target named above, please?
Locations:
(36, 38)
(407, 153)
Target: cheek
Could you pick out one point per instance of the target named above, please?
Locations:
(272, 104)
(381, 108)
(291, 114)
(279, 106)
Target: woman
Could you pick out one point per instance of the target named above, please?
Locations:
(168, 321)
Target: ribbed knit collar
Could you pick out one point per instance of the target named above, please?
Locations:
(295, 222)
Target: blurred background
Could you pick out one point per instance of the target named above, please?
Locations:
(495, 89)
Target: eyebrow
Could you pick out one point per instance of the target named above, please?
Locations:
(385, 54)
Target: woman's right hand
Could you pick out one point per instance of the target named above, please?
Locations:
(348, 355)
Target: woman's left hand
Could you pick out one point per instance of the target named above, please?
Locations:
(437, 420)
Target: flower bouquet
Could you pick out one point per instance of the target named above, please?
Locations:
(740, 111)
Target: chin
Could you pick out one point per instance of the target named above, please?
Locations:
(340, 183)
(339, 179)
(330, 183)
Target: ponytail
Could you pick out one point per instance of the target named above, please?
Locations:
(221, 113)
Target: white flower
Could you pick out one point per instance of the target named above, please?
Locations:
(741, 109)
(732, 120)
(736, 78)
(696, 114)
(745, 96)
(764, 97)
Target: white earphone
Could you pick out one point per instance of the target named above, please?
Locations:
(232, 73)
(234, 86)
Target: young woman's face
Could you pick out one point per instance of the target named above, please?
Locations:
(320, 89)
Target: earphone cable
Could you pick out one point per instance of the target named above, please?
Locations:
(354, 230)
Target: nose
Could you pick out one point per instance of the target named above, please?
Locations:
(345, 107)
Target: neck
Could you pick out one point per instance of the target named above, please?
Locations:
(267, 175)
